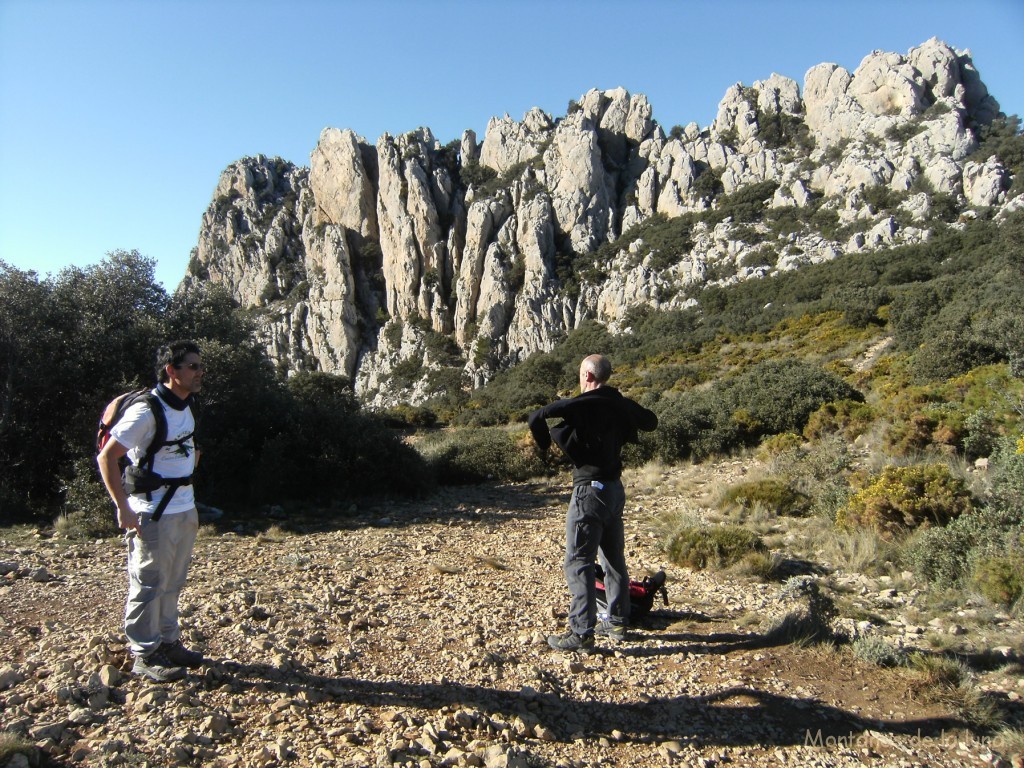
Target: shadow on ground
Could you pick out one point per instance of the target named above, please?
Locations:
(736, 716)
(488, 504)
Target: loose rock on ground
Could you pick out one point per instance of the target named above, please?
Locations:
(413, 634)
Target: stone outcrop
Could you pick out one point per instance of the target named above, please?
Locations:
(393, 262)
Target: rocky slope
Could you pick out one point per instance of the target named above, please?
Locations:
(413, 635)
(473, 255)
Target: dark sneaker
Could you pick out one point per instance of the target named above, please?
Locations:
(181, 656)
(157, 667)
(570, 641)
(616, 632)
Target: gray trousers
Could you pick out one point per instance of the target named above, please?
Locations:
(593, 526)
(158, 563)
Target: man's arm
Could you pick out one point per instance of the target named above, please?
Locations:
(538, 424)
(110, 469)
(539, 429)
(644, 419)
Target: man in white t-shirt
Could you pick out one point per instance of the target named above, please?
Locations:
(160, 536)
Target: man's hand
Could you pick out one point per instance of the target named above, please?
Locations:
(111, 472)
(540, 453)
(128, 520)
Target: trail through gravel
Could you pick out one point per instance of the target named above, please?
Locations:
(414, 634)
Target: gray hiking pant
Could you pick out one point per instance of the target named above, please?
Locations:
(158, 563)
(593, 527)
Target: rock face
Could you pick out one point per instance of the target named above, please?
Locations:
(413, 267)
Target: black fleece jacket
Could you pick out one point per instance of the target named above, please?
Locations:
(595, 425)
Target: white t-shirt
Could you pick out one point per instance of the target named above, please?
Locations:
(136, 429)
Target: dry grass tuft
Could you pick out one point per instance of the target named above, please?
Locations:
(857, 550)
(1009, 742)
(950, 682)
(662, 479)
(275, 534)
(12, 744)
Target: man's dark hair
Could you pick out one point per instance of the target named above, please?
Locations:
(173, 354)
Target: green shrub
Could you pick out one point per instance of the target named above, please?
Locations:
(441, 349)
(712, 547)
(708, 183)
(693, 426)
(948, 556)
(746, 205)
(407, 372)
(848, 418)
(877, 650)
(904, 498)
(911, 435)
(393, 334)
(940, 555)
(88, 512)
(760, 257)
(1003, 139)
(327, 448)
(768, 398)
(980, 439)
(1000, 578)
(780, 395)
(776, 445)
(903, 132)
(474, 174)
(665, 377)
(818, 470)
(781, 129)
(770, 494)
(640, 453)
(409, 416)
(1006, 475)
(952, 352)
(465, 456)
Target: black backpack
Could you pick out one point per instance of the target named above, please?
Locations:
(140, 478)
(641, 594)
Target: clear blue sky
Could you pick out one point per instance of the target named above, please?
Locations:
(117, 116)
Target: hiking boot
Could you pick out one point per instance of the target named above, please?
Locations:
(615, 632)
(570, 641)
(181, 656)
(157, 667)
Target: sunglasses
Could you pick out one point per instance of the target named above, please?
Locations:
(192, 366)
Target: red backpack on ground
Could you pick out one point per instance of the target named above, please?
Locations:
(641, 594)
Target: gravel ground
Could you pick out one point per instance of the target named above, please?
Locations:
(414, 635)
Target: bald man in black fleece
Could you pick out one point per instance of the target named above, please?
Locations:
(595, 425)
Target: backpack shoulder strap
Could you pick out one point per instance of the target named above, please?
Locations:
(160, 436)
(194, 410)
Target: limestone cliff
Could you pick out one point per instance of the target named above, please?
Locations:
(413, 267)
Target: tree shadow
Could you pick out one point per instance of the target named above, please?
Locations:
(489, 503)
(789, 567)
(736, 716)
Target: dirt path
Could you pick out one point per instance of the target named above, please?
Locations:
(413, 634)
